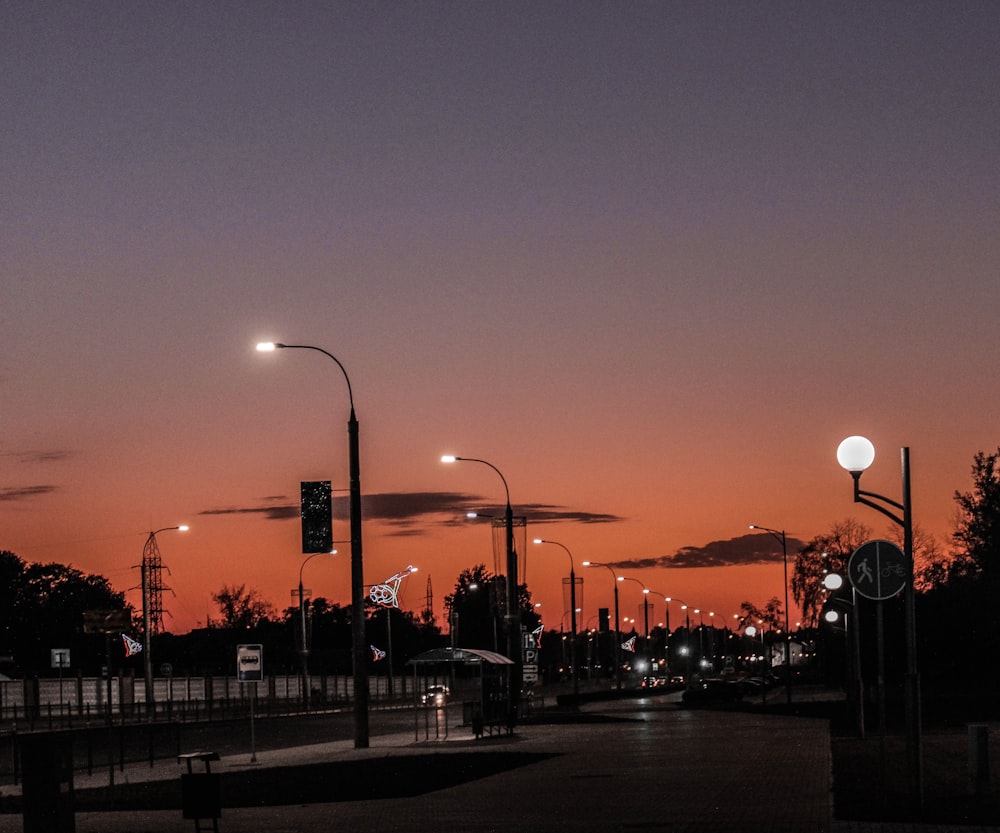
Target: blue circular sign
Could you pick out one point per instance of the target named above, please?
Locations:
(878, 570)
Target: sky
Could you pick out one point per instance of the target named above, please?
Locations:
(652, 261)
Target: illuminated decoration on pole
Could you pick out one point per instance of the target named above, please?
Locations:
(377, 653)
(387, 593)
(132, 646)
(315, 509)
(537, 633)
(629, 644)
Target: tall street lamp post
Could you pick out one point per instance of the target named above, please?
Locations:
(833, 582)
(304, 653)
(687, 631)
(618, 627)
(513, 606)
(645, 609)
(779, 535)
(856, 454)
(149, 571)
(666, 624)
(572, 613)
(359, 648)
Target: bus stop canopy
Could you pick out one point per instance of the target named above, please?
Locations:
(462, 655)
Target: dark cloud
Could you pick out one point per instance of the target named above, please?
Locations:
(404, 511)
(753, 548)
(12, 493)
(543, 513)
(273, 512)
(52, 456)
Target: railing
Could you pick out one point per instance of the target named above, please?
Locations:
(53, 703)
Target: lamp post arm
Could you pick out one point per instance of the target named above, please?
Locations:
(350, 393)
(500, 473)
(861, 496)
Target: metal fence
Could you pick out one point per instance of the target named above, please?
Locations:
(81, 700)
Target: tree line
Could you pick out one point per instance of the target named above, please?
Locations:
(42, 605)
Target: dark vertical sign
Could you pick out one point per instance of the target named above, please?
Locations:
(317, 515)
(603, 620)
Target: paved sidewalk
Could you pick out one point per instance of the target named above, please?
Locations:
(648, 766)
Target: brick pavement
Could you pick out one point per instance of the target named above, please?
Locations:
(648, 766)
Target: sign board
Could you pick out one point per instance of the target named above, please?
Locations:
(530, 673)
(250, 663)
(60, 657)
(878, 570)
(106, 621)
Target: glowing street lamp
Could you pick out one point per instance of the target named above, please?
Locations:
(572, 604)
(617, 640)
(832, 582)
(359, 648)
(513, 606)
(686, 651)
(645, 604)
(856, 454)
(779, 535)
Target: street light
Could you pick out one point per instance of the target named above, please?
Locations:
(572, 604)
(513, 606)
(645, 606)
(617, 639)
(856, 454)
(832, 583)
(666, 623)
(149, 571)
(687, 631)
(779, 535)
(711, 615)
(359, 648)
(302, 618)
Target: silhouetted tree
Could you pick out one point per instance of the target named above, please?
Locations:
(978, 533)
(242, 607)
(42, 606)
(827, 553)
(475, 609)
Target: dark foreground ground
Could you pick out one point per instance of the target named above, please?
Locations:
(869, 776)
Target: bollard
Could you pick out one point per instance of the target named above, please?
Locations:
(979, 759)
(47, 782)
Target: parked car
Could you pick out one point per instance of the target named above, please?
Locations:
(435, 695)
(708, 691)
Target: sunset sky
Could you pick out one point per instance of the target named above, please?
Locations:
(651, 260)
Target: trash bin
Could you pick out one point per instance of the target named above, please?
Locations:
(472, 715)
(201, 792)
(47, 782)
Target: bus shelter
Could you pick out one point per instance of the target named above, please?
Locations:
(477, 678)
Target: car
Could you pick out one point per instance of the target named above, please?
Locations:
(676, 679)
(653, 682)
(435, 695)
(708, 691)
